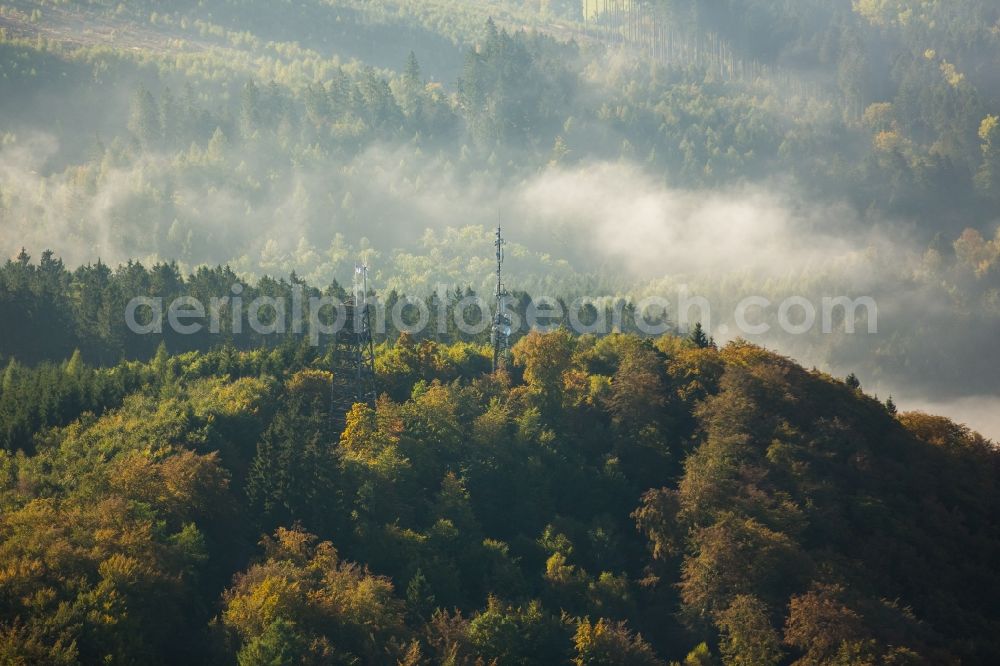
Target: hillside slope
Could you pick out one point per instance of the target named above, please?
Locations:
(606, 487)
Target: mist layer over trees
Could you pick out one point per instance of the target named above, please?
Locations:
(823, 149)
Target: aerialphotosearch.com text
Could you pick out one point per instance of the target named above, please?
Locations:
(319, 316)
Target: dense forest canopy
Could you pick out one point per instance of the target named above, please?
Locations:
(685, 497)
(614, 500)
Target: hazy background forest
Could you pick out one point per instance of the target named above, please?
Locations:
(745, 147)
(813, 148)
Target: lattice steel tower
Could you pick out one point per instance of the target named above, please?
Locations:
(501, 320)
(354, 353)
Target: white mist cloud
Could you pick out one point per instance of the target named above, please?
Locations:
(618, 211)
(611, 214)
(599, 227)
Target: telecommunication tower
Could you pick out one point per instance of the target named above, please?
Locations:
(354, 353)
(501, 320)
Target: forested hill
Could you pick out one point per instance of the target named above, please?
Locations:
(607, 501)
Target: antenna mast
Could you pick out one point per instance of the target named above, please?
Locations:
(501, 321)
(354, 353)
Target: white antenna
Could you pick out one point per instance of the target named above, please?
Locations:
(361, 300)
(354, 354)
(501, 322)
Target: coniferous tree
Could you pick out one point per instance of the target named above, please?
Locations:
(144, 118)
(250, 111)
(699, 338)
(853, 382)
(295, 475)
